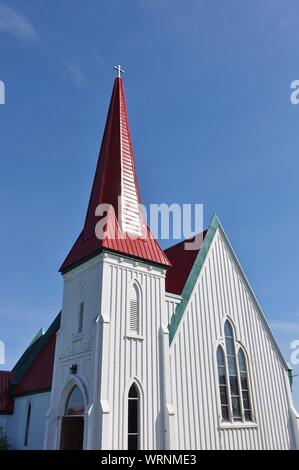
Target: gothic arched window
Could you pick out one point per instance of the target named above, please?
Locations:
(222, 383)
(133, 418)
(233, 379)
(232, 371)
(28, 416)
(134, 310)
(244, 385)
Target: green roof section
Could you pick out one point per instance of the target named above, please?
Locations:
(192, 278)
(29, 356)
(38, 335)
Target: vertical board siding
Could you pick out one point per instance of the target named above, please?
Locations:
(17, 423)
(131, 358)
(171, 303)
(220, 291)
(4, 422)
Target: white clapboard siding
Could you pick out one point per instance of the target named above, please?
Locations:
(4, 421)
(117, 355)
(132, 357)
(17, 423)
(221, 290)
(172, 301)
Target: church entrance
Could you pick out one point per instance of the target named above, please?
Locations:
(72, 423)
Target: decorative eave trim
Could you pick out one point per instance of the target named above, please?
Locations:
(193, 276)
(115, 252)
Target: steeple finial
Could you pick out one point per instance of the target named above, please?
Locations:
(119, 70)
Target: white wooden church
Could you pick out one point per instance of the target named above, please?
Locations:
(152, 349)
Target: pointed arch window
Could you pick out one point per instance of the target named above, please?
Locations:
(133, 418)
(244, 385)
(134, 310)
(27, 426)
(233, 379)
(222, 384)
(75, 403)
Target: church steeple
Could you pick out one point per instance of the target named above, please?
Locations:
(115, 185)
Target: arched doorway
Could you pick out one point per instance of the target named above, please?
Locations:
(72, 423)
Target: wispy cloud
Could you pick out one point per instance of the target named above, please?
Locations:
(77, 74)
(285, 326)
(15, 24)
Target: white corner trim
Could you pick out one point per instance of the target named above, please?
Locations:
(105, 406)
(164, 330)
(170, 408)
(105, 318)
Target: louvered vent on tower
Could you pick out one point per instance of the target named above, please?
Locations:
(81, 318)
(134, 305)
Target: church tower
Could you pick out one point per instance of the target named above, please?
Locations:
(109, 386)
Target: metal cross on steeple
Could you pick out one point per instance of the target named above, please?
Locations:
(119, 70)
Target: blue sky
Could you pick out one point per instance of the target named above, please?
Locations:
(208, 91)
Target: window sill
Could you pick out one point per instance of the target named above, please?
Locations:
(239, 425)
(134, 336)
(77, 337)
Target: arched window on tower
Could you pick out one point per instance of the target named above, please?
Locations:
(235, 399)
(27, 426)
(134, 310)
(133, 418)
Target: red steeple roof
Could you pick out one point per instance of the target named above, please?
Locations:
(115, 184)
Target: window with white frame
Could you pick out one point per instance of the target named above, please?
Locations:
(234, 389)
(134, 310)
(244, 385)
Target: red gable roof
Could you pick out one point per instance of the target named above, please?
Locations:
(6, 404)
(115, 180)
(182, 261)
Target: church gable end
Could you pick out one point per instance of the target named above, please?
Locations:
(217, 293)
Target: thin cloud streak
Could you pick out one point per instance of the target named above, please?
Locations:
(15, 24)
(77, 74)
(285, 326)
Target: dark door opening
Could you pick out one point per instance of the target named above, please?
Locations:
(72, 423)
(71, 437)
